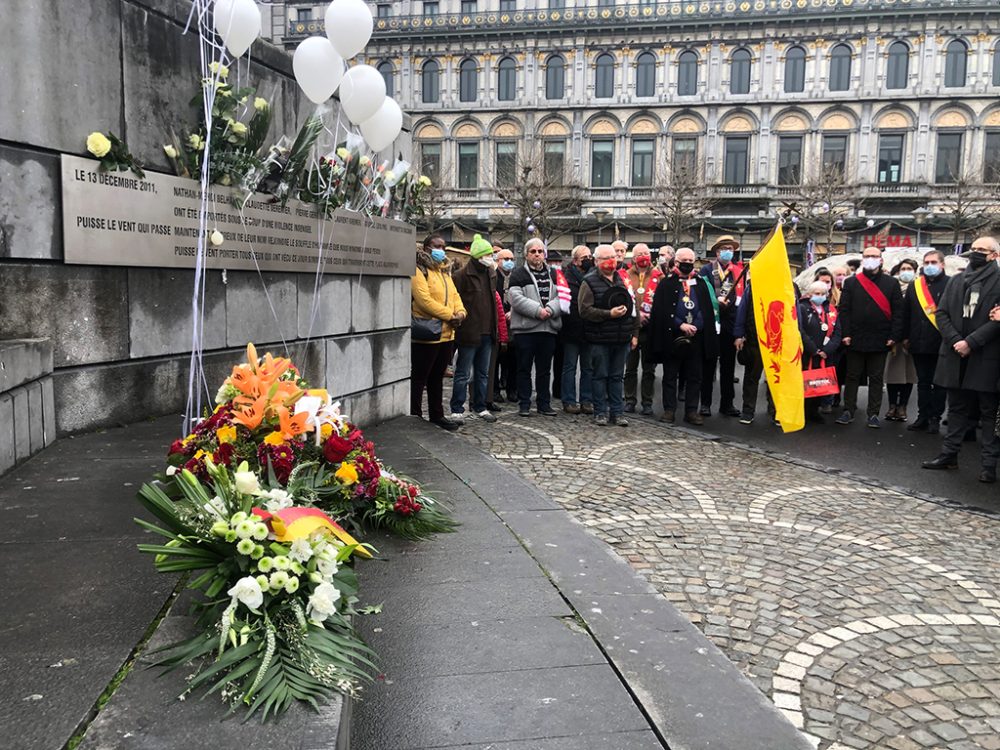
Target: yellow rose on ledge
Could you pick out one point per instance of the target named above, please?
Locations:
(347, 474)
(226, 434)
(98, 144)
(239, 128)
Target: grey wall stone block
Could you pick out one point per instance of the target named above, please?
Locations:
(391, 356)
(348, 367)
(376, 405)
(36, 417)
(22, 424)
(249, 314)
(160, 311)
(363, 301)
(62, 78)
(30, 217)
(309, 357)
(383, 292)
(24, 360)
(402, 303)
(333, 313)
(48, 412)
(7, 454)
(86, 310)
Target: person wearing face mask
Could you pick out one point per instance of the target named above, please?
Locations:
(505, 370)
(969, 358)
(435, 298)
(576, 348)
(683, 333)
(535, 297)
(923, 340)
(726, 276)
(665, 259)
(611, 325)
(621, 250)
(871, 320)
(819, 325)
(476, 284)
(900, 374)
(643, 276)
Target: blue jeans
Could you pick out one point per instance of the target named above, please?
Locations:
(474, 361)
(573, 351)
(609, 378)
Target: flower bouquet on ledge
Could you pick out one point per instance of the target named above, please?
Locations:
(273, 626)
(303, 449)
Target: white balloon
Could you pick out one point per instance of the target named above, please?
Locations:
(381, 129)
(238, 23)
(349, 26)
(318, 68)
(362, 93)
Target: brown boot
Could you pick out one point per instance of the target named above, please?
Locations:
(668, 416)
(693, 417)
(901, 414)
(890, 416)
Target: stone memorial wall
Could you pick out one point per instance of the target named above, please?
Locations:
(120, 327)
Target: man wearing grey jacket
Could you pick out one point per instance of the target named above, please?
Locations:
(535, 321)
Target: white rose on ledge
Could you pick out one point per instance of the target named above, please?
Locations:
(246, 481)
(323, 602)
(247, 591)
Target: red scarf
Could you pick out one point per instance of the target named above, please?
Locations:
(562, 289)
(878, 297)
(647, 297)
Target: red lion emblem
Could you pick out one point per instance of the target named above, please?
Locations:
(774, 319)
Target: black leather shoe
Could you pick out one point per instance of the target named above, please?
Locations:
(988, 475)
(548, 412)
(705, 411)
(920, 424)
(941, 462)
(630, 407)
(444, 424)
(494, 408)
(730, 411)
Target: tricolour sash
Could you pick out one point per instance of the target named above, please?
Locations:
(878, 297)
(926, 300)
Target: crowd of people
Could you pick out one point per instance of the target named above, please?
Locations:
(592, 331)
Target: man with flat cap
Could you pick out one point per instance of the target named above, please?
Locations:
(727, 279)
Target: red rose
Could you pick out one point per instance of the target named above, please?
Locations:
(336, 448)
(224, 454)
(176, 447)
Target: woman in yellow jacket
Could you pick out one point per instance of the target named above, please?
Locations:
(434, 299)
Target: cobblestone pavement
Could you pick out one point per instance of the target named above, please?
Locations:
(871, 618)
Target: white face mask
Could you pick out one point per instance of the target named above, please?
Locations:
(489, 261)
(871, 264)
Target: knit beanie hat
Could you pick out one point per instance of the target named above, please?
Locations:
(480, 248)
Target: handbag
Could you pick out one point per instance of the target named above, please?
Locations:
(821, 381)
(428, 329)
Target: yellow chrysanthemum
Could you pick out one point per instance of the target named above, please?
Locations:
(274, 438)
(347, 473)
(187, 439)
(326, 430)
(200, 454)
(226, 434)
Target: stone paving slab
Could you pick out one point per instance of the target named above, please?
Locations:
(845, 602)
(616, 741)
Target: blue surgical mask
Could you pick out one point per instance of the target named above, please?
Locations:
(931, 271)
(726, 255)
(438, 255)
(818, 299)
(508, 265)
(907, 276)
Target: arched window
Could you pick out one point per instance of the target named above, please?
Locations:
(955, 60)
(739, 72)
(840, 68)
(795, 70)
(604, 77)
(687, 74)
(555, 77)
(468, 83)
(645, 74)
(385, 68)
(897, 71)
(507, 80)
(430, 80)
(996, 66)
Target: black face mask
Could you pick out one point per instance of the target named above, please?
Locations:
(586, 264)
(978, 260)
(685, 267)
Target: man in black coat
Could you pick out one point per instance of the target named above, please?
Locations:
(871, 320)
(969, 361)
(923, 340)
(576, 349)
(683, 333)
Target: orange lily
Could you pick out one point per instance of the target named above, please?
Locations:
(251, 416)
(290, 426)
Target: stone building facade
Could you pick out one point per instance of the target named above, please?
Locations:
(762, 98)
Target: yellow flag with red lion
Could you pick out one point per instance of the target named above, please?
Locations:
(776, 315)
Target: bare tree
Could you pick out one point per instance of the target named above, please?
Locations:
(823, 201)
(433, 214)
(680, 197)
(541, 197)
(967, 206)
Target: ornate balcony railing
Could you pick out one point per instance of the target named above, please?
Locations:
(672, 11)
(895, 188)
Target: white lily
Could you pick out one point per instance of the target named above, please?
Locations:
(321, 411)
